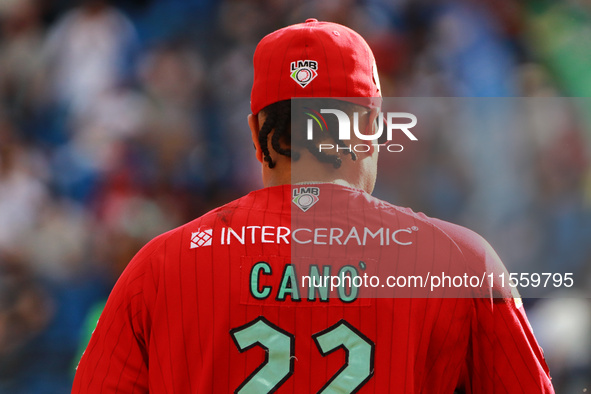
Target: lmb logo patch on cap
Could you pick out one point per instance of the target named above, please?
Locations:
(303, 71)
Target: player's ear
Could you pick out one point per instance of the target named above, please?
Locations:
(373, 120)
(371, 123)
(253, 123)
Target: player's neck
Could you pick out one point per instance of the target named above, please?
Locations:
(287, 172)
(275, 181)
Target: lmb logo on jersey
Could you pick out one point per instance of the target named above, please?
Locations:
(201, 238)
(305, 197)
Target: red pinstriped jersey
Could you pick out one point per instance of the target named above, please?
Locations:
(219, 306)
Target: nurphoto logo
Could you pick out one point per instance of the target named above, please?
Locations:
(393, 122)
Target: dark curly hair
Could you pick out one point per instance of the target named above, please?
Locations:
(279, 118)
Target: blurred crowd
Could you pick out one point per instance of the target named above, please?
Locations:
(120, 120)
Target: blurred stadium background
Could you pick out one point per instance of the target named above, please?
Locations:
(120, 120)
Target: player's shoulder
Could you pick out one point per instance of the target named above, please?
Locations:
(267, 200)
(469, 242)
(222, 215)
(478, 255)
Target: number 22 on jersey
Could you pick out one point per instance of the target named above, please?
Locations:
(279, 346)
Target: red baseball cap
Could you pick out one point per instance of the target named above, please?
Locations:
(314, 59)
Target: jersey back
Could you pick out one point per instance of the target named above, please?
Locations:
(244, 299)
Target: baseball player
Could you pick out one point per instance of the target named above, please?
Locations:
(222, 304)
